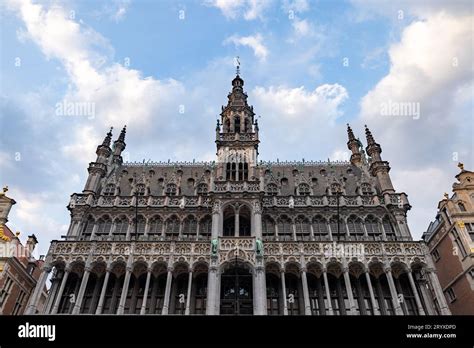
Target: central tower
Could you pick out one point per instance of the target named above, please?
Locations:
(237, 137)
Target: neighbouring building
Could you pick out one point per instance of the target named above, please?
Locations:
(19, 270)
(450, 238)
(240, 236)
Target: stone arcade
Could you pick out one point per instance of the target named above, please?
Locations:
(239, 236)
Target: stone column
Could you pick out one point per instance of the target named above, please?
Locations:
(328, 293)
(100, 305)
(307, 304)
(52, 291)
(347, 281)
(61, 290)
(393, 292)
(95, 293)
(237, 222)
(82, 289)
(260, 291)
(283, 290)
(166, 301)
(123, 296)
(34, 300)
(293, 228)
(415, 292)
(188, 295)
(145, 293)
(212, 280)
(439, 293)
(375, 305)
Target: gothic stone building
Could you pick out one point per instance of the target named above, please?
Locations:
(239, 236)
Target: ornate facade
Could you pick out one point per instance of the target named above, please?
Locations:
(239, 235)
(450, 239)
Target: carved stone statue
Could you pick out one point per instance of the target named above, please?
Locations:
(214, 247)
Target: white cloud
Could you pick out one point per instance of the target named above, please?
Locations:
(255, 42)
(431, 66)
(297, 6)
(299, 103)
(120, 95)
(233, 9)
(302, 27)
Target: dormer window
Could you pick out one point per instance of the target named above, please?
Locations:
(171, 189)
(336, 189)
(109, 190)
(366, 189)
(303, 190)
(140, 190)
(461, 207)
(202, 189)
(272, 189)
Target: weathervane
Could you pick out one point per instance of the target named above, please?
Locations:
(237, 65)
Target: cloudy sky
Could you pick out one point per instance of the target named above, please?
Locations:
(164, 69)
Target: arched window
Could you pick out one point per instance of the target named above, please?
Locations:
(109, 190)
(236, 124)
(121, 226)
(320, 228)
(303, 190)
(371, 225)
(246, 125)
(461, 207)
(336, 189)
(366, 189)
(272, 189)
(172, 226)
(87, 229)
(268, 226)
(302, 227)
(285, 229)
(227, 126)
(388, 227)
(273, 294)
(140, 225)
(354, 224)
(205, 227)
(140, 189)
(156, 226)
(202, 189)
(171, 189)
(105, 224)
(200, 297)
(337, 230)
(190, 226)
(292, 293)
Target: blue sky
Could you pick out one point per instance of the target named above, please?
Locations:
(309, 68)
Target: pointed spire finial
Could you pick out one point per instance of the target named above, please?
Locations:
(350, 133)
(122, 134)
(461, 166)
(368, 134)
(108, 138)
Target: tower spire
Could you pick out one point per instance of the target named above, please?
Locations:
(108, 138)
(378, 167)
(354, 145)
(370, 138)
(122, 134)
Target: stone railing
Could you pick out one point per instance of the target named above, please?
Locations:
(184, 250)
(143, 201)
(238, 136)
(236, 186)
